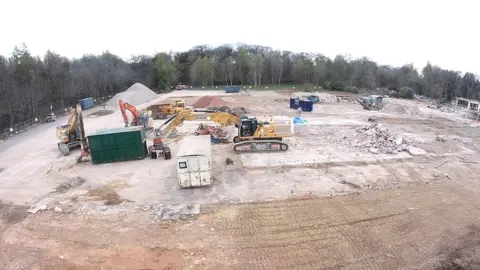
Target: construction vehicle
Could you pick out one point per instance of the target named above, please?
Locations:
(371, 103)
(72, 135)
(252, 136)
(163, 110)
(139, 119)
(159, 149)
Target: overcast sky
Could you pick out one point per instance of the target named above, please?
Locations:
(388, 32)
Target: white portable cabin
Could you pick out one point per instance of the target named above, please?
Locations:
(194, 161)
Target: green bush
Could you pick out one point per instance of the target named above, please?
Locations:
(404, 92)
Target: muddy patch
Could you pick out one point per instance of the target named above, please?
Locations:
(464, 253)
(108, 194)
(69, 184)
(101, 113)
(11, 214)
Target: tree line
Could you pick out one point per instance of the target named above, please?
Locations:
(33, 86)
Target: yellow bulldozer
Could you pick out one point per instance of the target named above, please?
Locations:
(252, 136)
(164, 110)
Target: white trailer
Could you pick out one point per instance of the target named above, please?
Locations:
(194, 161)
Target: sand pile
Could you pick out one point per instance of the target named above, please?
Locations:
(137, 94)
(400, 108)
(209, 101)
(377, 139)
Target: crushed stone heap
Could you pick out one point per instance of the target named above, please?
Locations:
(377, 139)
(136, 94)
(400, 108)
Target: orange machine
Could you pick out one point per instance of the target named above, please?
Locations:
(139, 119)
(123, 108)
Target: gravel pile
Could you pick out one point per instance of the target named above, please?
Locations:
(399, 108)
(137, 94)
(377, 139)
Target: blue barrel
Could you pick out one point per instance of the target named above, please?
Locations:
(294, 103)
(86, 103)
(306, 105)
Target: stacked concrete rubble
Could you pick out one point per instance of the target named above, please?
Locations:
(217, 134)
(327, 98)
(240, 111)
(377, 139)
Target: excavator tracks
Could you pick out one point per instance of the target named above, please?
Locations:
(260, 146)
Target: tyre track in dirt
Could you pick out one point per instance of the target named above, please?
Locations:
(377, 230)
(416, 227)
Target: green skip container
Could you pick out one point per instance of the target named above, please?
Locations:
(117, 144)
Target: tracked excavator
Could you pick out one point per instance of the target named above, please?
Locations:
(139, 119)
(72, 135)
(164, 110)
(253, 135)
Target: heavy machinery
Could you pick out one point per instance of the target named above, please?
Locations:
(371, 103)
(139, 119)
(159, 149)
(252, 136)
(163, 110)
(72, 135)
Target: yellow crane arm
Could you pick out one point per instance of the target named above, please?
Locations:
(73, 123)
(222, 118)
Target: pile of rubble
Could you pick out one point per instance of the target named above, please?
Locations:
(443, 107)
(400, 108)
(217, 134)
(377, 139)
(327, 98)
(240, 111)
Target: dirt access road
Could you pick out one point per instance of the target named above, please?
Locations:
(429, 227)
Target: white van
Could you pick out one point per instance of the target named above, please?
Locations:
(194, 161)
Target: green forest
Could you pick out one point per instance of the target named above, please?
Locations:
(32, 86)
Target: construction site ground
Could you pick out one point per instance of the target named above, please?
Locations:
(266, 211)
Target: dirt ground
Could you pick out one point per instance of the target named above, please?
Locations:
(266, 211)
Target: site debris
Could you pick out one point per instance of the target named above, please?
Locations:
(376, 138)
(400, 107)
(217, 134)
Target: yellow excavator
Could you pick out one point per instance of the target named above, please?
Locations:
(164, 110)
(253, 135)
(72, 135)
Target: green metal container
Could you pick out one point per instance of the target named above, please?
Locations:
(117, 144)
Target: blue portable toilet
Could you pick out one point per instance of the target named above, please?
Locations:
(294, 103)
(306, 105)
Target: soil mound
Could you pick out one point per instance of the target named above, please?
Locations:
(209, 101)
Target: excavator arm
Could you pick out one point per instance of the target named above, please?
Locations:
(222, 118)
(124, 106)
(73, 134)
